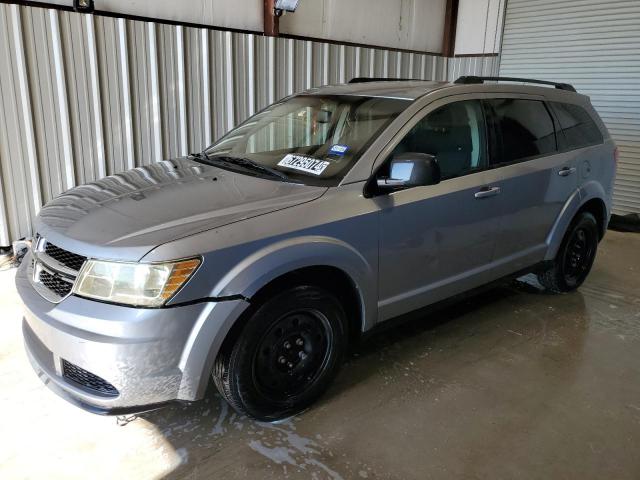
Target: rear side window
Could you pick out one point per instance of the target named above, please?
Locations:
(522, 129)
(577, 127)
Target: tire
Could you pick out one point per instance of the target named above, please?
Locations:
(575, 256)
(286, 356)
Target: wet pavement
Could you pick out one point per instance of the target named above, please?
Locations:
(513, 383)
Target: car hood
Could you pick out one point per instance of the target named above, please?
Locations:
(123, 216)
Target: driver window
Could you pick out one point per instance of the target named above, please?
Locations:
(454, 134)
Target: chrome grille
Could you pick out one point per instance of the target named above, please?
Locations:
(71, 260)
(53, 270)
(55, 283)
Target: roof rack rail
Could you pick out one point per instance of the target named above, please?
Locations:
(383, 79)
(466, 80)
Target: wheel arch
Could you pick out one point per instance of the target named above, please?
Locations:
(598, 209)
(330, 278)
(589, 198)
(329, 262)
(315, 259)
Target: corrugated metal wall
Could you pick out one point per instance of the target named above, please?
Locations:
(595, 45)
(476, 65)
(86, 96)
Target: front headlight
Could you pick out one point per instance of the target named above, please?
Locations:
(139, 284)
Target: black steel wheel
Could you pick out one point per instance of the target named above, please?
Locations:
(575, 257)
(286, 356)
(292, 353)
(578, 255)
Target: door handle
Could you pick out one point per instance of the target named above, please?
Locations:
(487, 192)
(566, 171)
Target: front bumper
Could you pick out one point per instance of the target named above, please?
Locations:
(150, 356)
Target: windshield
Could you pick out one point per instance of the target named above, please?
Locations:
(310, 139)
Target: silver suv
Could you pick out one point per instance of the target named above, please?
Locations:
(259, 260)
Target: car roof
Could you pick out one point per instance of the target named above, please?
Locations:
(414, 89)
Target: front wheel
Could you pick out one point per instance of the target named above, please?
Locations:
(286, 356)
(575, 257)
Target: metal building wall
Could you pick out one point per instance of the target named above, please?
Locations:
(85, 96)
(594, 45)
(474, 65)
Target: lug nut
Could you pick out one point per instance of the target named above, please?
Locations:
(302, 355)
(299, 342)
(290, 365)
(287, 345)
(282, 360)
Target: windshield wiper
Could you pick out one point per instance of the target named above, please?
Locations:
(201, 156)
(249, 164)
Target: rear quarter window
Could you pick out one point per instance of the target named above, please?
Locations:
(577, 128)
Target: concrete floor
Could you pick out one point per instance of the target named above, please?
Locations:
(513, 384)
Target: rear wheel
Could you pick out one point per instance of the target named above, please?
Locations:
(286, 356)
(575, 257)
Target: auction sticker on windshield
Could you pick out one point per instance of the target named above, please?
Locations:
(339, 150)
(304, 164)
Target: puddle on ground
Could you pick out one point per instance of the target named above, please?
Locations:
(211, 427)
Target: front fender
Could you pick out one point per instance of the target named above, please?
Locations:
(252, 273)
(203, 345)
(265, 265)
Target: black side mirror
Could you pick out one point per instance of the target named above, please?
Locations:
(410, 170)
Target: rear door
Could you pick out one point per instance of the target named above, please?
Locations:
(536, 179)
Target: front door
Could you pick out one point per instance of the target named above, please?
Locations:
(437, 241)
